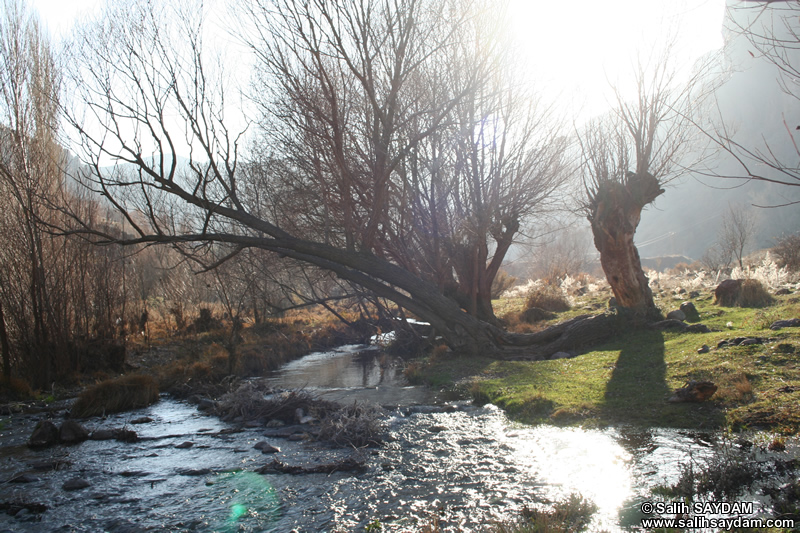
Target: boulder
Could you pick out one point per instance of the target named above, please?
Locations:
(71, 432)
(44, 434)
(783, 292)
(791, 323)
(561, 355)
(703, 349)
(727, 292)
(690, 311)
(676, 315)
(694, 391)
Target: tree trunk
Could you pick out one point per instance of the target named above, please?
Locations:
(615, 211)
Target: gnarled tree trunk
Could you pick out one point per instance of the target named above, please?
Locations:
(614, 213)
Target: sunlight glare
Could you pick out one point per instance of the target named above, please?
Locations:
(575, 49)
(585, 462)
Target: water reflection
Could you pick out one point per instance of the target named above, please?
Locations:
(468, 466)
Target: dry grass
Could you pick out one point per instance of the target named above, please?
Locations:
(753, 294)
(251, 401)
(15, 389)
(116, 395)
(734, 389)
(549, 298)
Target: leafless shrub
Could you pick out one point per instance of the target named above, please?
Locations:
(356, 425)
(252, 401)
(788, 251)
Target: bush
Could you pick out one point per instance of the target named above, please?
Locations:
(15, 389)
(356, 426)
(549, 298)
(753, 294)
(116, 395)
(788, 252)
(573, 514)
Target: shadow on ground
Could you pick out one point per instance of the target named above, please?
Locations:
(637, 391)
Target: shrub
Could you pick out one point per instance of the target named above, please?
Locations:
(753, 294)
(788, 251)
(116, 395)
(547, 297)
(355, 425)
(570, 515)
(15, 389)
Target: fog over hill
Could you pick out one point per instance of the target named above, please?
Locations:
(685, 220)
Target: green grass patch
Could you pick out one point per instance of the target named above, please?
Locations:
(629, 379)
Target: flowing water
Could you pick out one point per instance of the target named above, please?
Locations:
(453, 463)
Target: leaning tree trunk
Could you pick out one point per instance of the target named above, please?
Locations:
(614, 212)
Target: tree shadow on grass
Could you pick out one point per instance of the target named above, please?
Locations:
(637, 391)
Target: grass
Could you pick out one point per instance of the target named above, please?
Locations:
(628, 379)
(116, 395)
(570, 515)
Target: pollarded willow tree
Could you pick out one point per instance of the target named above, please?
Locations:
(627, 157)
(392, 150)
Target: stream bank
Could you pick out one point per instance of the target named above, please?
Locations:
(454, 463)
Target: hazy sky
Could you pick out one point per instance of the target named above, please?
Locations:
(573, 48)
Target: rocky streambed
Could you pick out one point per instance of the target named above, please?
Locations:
(450, 463)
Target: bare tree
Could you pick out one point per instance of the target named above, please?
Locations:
(361, 91)
(736, 232)
(627, 158)
(773, 34)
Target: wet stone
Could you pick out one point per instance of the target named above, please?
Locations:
(184, 445)
(102, 434)
(23, 478)
(195, 472)
(266, 447)
(142, 420)
(71, 432)
(44, 434)
(75, 484)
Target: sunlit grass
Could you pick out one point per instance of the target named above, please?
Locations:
(628, 379)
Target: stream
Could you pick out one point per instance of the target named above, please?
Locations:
(454, 463)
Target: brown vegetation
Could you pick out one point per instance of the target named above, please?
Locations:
(116, 395)
(548, 298)
(788, 251)
(753, 294)
(251, 401)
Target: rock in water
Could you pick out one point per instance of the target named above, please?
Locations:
(694, 391)
(71, 432)
(44, 434)
(75, 484)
